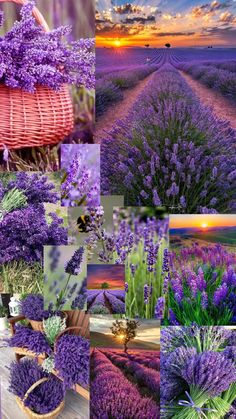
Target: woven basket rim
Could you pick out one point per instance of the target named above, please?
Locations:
(38, 415)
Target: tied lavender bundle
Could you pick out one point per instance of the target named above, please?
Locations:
(32, 340)
(72, 360)
(198, 372)
(35, 57)
(80, 175)
(44, 398)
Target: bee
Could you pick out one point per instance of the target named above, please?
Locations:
(83, 223)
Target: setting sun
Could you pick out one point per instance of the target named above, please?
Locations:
(121, 336)
(117, 43)
(204, 225)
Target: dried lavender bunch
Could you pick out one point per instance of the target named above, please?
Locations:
(72, 360)
(80, 175)
(30, 339)
(35, 57)
(44, 398)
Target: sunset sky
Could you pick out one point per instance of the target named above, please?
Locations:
(149, 330)
(182, 23)
(202, 220)
(113, 274)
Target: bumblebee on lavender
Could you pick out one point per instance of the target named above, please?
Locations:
(83, 223)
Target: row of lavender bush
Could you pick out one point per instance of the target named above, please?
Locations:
(113, 395)
(171, 150)
(220, 78)
(109, 89)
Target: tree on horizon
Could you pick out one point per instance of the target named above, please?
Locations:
(167, 45)
(125, 331)
(104, 285)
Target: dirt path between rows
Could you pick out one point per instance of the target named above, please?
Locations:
(119, 110)
(222, 107)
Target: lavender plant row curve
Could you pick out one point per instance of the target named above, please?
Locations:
(109, 390)
(171, 151)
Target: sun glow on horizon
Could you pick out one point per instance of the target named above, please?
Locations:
(204, 225)
(117, 43)
(202, 221)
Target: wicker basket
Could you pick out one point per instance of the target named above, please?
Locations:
(34, 119)
(32, 415)
(38, 325)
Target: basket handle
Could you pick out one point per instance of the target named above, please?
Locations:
(62, 333)
(36, 13)
(36, 384)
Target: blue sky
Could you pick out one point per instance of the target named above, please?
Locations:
(183, 23)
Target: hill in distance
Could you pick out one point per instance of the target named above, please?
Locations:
(223, 235)
(101, 340)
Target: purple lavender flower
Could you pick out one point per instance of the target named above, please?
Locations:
(210, 371)
(32, 340)
(73, 266)
(146, 293)
(33, 307)
(220, 294)
(159, 308)
(72, 360)
(44, 398)
(35, 57)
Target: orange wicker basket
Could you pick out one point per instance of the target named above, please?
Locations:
(34, 119)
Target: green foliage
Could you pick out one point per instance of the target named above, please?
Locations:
(48, 364)
(104, 285)
(52, 327)
(98, 309)
(3, 311)
(13, 199)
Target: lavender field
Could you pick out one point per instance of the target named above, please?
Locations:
(174, 150)
(106, 301)
(123, 384)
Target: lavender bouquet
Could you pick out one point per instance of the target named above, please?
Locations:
(30, 56)
(198, 372)
(202, 286)
(32, 228)
(44, 398)
(80, 175)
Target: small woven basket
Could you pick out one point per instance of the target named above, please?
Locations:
(32, 415)
(34, 119)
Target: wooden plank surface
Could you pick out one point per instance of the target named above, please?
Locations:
(76, 407)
